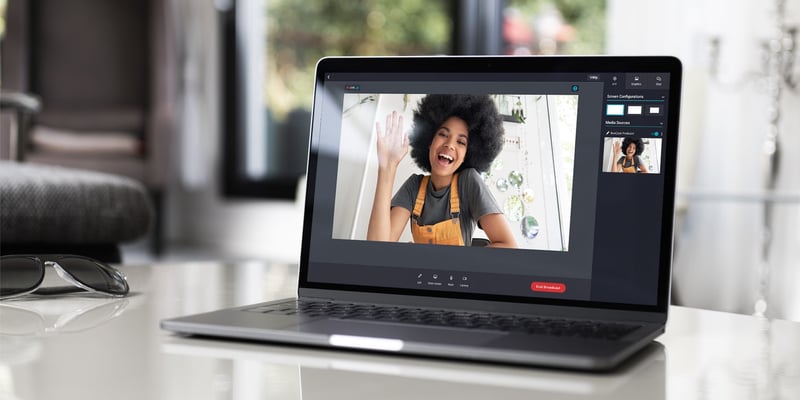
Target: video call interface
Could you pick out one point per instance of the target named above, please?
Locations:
(568, 205)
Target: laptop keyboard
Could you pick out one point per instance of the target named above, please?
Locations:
(450, 318)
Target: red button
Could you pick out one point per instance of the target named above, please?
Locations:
(549, 287)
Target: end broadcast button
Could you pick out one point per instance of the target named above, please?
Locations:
(548, 287)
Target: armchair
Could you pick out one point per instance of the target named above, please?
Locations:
(104, 72)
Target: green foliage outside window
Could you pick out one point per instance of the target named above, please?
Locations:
(586, 19)
(301, 32)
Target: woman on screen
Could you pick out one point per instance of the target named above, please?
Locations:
(630, 161)
(454, 138)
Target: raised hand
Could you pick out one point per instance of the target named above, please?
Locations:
(392, 142)
(386, 223)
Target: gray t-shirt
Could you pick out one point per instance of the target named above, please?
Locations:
(475, 200)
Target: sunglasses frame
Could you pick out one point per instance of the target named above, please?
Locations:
(51, 260)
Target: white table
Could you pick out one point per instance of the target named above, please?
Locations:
(77, 347)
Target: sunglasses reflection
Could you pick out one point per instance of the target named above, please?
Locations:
(44, 318)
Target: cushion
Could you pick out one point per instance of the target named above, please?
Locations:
(49, 204)
(94, 143)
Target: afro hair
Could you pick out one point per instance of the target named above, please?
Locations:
(638, 142)
(484, 123)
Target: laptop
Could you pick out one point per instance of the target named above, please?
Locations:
(558, 250)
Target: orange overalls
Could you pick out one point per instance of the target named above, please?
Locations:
(444, 232)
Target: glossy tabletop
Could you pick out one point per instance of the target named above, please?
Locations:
(79, 347)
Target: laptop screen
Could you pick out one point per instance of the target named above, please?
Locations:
(532, 180)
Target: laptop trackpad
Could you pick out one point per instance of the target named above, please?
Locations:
(399, 331)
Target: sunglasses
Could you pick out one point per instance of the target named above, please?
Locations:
(24, 274)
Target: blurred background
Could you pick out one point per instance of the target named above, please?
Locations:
(217, 96)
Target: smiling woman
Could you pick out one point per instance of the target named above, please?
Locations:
(454, 138)
(530, 178)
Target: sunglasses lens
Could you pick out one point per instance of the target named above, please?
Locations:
(95, 275)
(19, 274)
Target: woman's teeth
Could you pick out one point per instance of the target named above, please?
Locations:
(446, 157)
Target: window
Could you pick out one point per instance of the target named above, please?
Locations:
(271, 48)
(269, 79)
(554, 27)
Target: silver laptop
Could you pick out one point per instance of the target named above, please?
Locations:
(503, 209)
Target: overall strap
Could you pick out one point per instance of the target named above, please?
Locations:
(455, 205)
(423, 188)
